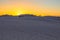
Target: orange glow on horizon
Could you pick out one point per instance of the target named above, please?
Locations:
(16, 9)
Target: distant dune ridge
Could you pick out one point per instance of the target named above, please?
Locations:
(33, 17)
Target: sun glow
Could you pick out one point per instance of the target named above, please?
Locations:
(18, 12)
(21, 8)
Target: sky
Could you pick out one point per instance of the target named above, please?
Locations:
(35, 7)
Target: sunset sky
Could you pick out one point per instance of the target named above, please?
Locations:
(35, 7)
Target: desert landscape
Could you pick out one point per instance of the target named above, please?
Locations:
(29, 27)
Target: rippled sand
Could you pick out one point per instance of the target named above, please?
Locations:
(23, 29)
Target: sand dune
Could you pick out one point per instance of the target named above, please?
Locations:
(29, 28)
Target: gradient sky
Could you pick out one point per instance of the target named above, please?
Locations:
(36, 7)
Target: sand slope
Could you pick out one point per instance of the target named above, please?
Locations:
(29, 28)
